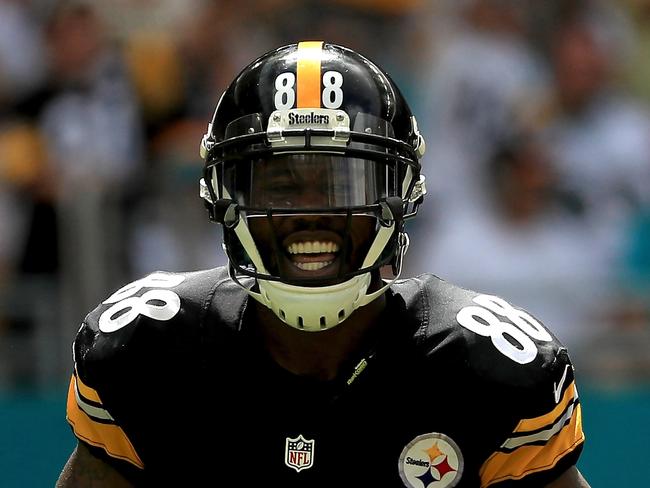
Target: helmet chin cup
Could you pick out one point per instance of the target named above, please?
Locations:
(294, 305)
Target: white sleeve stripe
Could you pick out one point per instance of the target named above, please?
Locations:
(543, 435)
(91, 410)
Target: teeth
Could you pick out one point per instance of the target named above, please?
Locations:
(313, 266)
(312, 247)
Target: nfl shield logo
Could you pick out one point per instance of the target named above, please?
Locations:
(299, 453)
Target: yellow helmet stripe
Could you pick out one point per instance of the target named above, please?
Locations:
(308, 74)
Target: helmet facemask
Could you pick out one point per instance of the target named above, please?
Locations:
(313, 217)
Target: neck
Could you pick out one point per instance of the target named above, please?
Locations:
(317, 354)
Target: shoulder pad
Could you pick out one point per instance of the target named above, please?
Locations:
(157, 315)
(497, 345)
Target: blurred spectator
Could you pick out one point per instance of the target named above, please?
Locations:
(598, 136)
(482, 73)
(92, 125)
(93, 133)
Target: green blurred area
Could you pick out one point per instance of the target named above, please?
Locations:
(35, 439)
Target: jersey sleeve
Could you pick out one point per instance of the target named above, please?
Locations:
(107, 354)
(528, 429)
(94, 425)
(541, 446)
(140, 340)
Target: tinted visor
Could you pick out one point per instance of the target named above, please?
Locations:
(309, 181)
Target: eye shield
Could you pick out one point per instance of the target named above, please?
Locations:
(311, 181)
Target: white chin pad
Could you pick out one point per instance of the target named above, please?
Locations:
(313, 309)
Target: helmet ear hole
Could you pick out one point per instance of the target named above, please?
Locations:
(301, 324)
(283, 316)
(341, 314)
(323, 323)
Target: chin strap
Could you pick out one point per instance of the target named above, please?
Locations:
(403, 246)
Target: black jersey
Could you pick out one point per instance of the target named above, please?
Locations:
(173, 388)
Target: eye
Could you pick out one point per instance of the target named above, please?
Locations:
(278, 191)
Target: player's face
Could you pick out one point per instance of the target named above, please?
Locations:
(316, 246)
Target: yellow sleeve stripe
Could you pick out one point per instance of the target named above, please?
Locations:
(570, 394)
(107, 436)
(86, 391)
(308, 74)
(93, 410)
(530, 458)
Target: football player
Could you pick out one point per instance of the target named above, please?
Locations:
(306, 361)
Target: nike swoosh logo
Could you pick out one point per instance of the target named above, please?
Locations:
(557, 388)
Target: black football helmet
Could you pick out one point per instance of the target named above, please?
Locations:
(311, 148)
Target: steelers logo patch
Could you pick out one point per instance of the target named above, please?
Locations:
(431, 461)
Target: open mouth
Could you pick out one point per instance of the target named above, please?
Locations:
(312, 255)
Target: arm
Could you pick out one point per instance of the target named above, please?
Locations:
(571, 478)
(83, 470)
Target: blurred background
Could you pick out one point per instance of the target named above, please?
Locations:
(537, 121)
